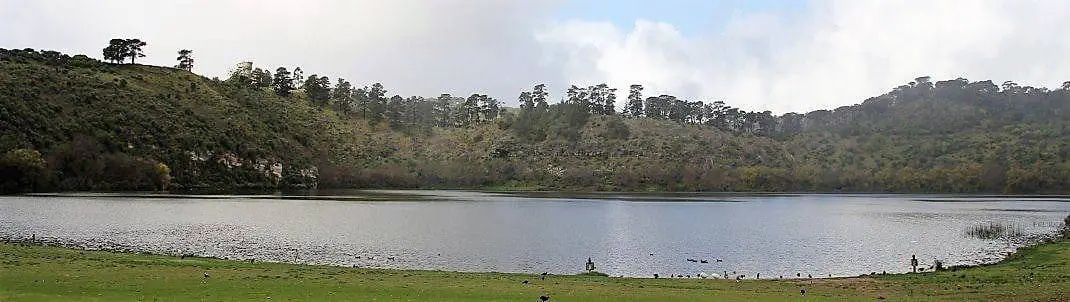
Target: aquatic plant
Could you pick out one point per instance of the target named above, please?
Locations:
(1065, 230)
(992, 230)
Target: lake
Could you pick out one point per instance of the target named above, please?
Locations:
(634, 235)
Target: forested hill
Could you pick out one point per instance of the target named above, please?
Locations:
(75, 123)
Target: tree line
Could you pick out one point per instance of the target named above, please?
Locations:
(924, 136)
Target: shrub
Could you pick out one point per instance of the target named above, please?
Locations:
(21, 170)
(1066, 227)
(163, 176)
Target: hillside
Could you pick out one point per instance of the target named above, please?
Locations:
(101, 126)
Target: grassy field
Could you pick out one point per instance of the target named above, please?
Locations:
(38, 273)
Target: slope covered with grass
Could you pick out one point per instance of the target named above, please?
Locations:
(100, 126)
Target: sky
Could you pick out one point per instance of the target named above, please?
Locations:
(782, 56)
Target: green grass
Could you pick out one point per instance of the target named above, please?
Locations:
(37, 273)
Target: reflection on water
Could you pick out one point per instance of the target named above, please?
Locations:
(625, 234)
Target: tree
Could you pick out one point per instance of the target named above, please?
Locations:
(596, 98)
(635, 101)
(443, 110)
(163, 176)
(318, 89)
(490, 107)
(261, 78)
(469, 113)
(417, 117)
(298, 77)
(377, 102)
(21, 170)
(185, 60)
(610, 99)
(282, 82)
(116, 51)
(539, 94)
(395, 109)
(527, 103)
(342, 94)
(575, 95)
(133, 49)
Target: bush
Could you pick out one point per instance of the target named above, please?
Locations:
(1066, 227)
(21, 170)
(615, 128)
(163, 176)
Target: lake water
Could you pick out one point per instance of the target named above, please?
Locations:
(632, 235)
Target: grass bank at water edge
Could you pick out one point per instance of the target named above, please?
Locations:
(43, 273)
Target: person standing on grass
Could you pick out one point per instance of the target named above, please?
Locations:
(914, 262)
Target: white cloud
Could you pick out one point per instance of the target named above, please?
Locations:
(835, 53)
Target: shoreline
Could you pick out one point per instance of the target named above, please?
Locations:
(49, 242)
(47, 273)
(500, 190)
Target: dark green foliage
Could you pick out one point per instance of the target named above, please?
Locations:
(342, 97)
(116, 51)
(185, 60)
(21, 170)
(375, 102)
(282, 83)
(527, 103)
(133, 49)
(635, 101)
(1065, 230)
(120, 49)
(90, 120)
(261, 78)
(318, 89)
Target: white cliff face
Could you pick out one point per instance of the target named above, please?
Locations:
(229, 160)
(272, 169)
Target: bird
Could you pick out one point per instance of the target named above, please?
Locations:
(705, 261)
(544, 298)
(206, 276)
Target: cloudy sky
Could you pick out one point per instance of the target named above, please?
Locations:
(790, 55)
